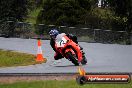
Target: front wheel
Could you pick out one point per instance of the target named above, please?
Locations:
(72, 58)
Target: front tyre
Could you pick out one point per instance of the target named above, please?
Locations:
(72, 58)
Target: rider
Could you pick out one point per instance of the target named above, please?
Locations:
(53, 33)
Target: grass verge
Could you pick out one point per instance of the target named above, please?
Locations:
(61, 84)
(11, 58)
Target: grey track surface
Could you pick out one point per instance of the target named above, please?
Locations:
(101, 57)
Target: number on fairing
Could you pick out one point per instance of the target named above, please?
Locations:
(62, 42)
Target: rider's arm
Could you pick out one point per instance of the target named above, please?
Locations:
(52, 43)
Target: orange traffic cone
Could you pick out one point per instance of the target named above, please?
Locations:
(39, 53)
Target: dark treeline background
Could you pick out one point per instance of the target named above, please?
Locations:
(113, 15)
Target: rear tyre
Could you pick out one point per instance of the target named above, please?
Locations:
(73, 59)
(84, 61)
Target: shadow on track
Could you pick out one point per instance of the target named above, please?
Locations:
(66, 66)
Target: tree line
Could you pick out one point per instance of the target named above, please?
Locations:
(113, 15)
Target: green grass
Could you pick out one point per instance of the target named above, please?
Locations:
(10, 58)
(61, 84)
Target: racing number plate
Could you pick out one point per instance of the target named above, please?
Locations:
(62, 42)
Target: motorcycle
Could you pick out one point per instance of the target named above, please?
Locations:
(70, 50)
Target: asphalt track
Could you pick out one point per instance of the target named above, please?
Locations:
(101, 57)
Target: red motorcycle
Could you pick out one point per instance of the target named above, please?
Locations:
(70, 50)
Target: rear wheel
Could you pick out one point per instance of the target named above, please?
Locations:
(84, 60)
(72, 58)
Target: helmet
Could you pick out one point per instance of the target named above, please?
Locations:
(53, 33)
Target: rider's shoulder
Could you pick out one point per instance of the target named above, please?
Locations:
(60, 35)
(63, 33)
